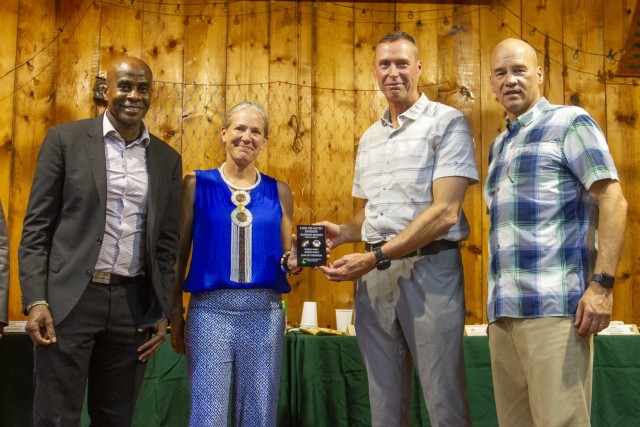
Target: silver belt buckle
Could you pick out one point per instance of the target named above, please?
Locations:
(101, 277)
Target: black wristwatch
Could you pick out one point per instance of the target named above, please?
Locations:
(604, 279)
(382, 262)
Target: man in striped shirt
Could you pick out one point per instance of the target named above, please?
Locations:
(554, 197)
(412, 171)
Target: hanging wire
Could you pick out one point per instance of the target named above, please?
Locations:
(611, 56)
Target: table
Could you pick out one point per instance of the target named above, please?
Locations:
(324, 383)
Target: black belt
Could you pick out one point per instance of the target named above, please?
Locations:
(103, 278)
(428, 249)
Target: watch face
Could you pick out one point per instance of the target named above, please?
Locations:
(604, 279)
(383, 264)
(607, 280)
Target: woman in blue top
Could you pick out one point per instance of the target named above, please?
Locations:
(236, 222)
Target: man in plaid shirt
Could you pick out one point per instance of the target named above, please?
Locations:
(557, 229)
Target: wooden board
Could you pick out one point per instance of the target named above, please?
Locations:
(163, 51)
(205, 76)
(80, 21)
(248, 58)
(334, 141)
(542, 29)
(421, 22)
(34, 113)
(497, 22)
(289, 115)
(458, 59)
(8, 36)
(584, 84)
(121, 31)
(623, 134)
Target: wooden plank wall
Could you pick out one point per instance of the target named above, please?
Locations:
(310, 65)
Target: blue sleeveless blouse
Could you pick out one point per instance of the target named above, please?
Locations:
(210, 267)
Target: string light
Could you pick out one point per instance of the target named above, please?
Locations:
(611, 55)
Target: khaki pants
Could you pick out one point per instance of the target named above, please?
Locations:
(542, 372)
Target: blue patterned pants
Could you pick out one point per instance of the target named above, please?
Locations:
(235, 334)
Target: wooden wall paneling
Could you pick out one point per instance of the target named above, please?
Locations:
(371, 22)
(163, 50)
(623, 106)
(302, 285)
(121, 31)
(496, 24)
(459, 66)
(78, 60)
(420, 20)
(248, 58)
(34, 113)
(333, 152)
(623, 134)
(542, 29)
(583, 37)
(8, 47)
(8, 39)
(205, 78)
(120, 34)
(289, 116)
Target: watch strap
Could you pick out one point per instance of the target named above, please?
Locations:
(604, 279)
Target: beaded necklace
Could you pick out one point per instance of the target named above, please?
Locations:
(241, 216)
(241, 230)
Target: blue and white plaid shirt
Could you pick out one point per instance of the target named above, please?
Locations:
(543, 222)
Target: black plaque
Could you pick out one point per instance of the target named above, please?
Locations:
(311, 246)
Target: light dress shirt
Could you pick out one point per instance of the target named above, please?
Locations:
(542, 220)
(395, 168)
(123, 246)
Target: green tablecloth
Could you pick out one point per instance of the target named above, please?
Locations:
(324, 384)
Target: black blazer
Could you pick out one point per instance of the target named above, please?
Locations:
(65, 219)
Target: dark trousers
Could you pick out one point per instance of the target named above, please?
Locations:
(96, 345)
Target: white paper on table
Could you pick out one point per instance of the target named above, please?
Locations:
(617, 327)
(15, 326)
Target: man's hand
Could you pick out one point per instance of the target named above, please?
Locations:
(150, 347)
(40, 325)
(350, 267)
(594, 309)
(333, 234)
(177, 333)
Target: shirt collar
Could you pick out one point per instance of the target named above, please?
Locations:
(108, 129)
(525, 119)
(412, 113)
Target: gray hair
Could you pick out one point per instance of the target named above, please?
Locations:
(243, 106)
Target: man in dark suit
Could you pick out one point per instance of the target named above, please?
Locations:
(97, 253)
(4, 272)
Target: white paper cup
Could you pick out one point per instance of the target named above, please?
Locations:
(343, 318)
(309, 315)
